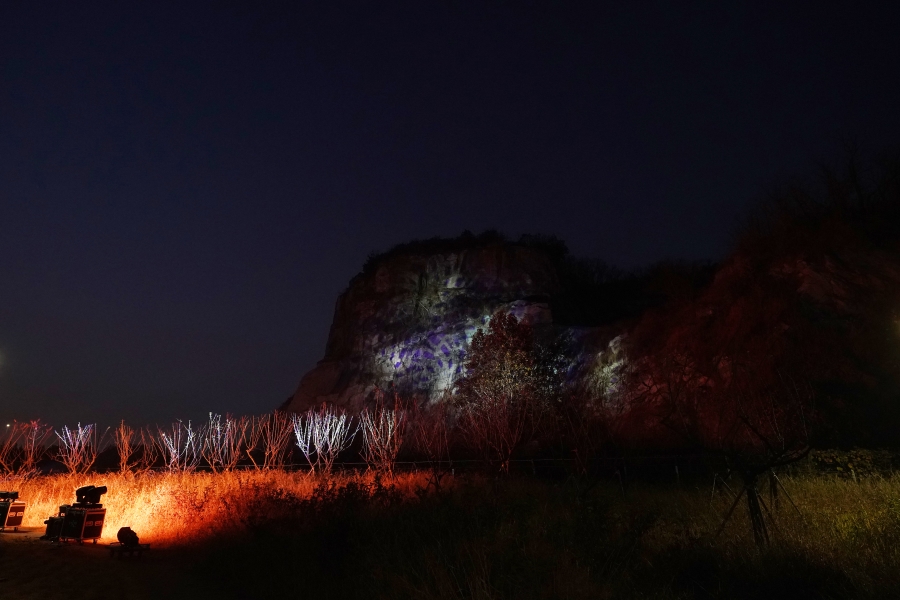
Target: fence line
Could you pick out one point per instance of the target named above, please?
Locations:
(680, 463)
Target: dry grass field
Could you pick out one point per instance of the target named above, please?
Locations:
(180, 508)
(276, 534)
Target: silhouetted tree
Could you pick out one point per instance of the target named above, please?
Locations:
(801, 312)
(432, 429)
(504, 393)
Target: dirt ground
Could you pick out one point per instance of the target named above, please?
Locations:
(31, 568)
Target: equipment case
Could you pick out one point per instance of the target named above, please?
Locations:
(83, 524)
(11, 514)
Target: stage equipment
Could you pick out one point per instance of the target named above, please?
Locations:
(89, 494)
(12, 510)
(80, 521)
(128, 544)
(54, 527)
(127, 537)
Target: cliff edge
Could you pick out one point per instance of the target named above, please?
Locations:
(409, 316)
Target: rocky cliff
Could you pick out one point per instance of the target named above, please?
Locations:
(409, 316)
(808, 299)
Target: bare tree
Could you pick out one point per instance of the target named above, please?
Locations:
(78, 447)
(323, 434)
(224, 441)
(181, 447)
(431, 428)
(33, 436)
(150, 451)
(718, 384)
(760, 432)
(275, 432)
(9, 450)
(304, 432)
(334, 434)
(254, 437)
(383, 430)
(126, 448)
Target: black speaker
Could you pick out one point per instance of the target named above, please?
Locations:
(54, 527)
(73, 523)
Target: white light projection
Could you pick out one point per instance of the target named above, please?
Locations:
(602, 375)
(430, 362)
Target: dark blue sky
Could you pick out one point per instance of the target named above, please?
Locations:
(185, 188)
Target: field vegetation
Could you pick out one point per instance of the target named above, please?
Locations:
(259, 534)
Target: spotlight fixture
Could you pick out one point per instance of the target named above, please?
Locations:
(80, 521)
(89, 494)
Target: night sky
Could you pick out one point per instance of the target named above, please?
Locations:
(186, 188)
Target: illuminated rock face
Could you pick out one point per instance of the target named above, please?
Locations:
(409, 320)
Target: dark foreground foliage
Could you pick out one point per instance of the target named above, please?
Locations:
(506, 538)
(537, 539)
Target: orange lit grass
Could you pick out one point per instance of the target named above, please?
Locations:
(175, 508)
